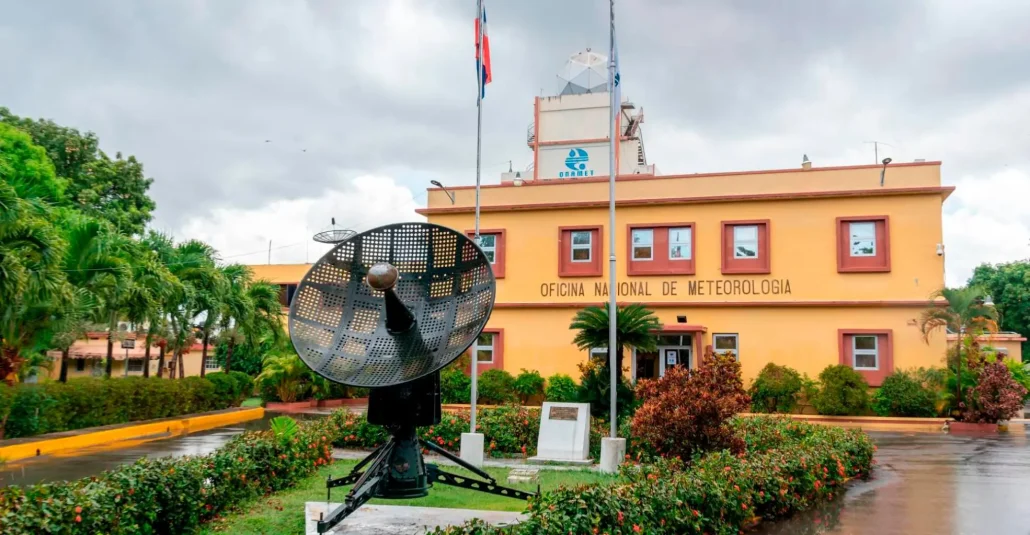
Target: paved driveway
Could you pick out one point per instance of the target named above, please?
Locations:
(932, 484)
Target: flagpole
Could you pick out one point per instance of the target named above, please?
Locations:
(612, 172)
(480, 65)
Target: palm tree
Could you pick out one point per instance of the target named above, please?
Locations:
(635, 327)
(969, 313)
(31, 281)
(287, 373)
(211, 291)
(153, 284)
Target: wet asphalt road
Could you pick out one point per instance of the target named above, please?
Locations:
(924, 483)
(931, 484)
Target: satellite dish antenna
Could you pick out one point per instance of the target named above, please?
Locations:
(333, 235)
(386, 309)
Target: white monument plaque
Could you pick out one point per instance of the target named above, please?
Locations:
(564, 433)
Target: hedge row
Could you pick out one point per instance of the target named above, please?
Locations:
(169, 495)
(787, 466)
(34, 409)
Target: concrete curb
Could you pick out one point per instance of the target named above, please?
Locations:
(23, 448)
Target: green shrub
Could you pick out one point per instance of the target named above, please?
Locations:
(529, 384)
(34, 409)
(169, 495)
(595, 389)
(245, 385)
(455, 386)
(1021, 374)
(227, 389)
(776, 389)
(793, 466)
(496, 387)
(842, 392)
(561, 388)
(903, 395)
(511, 429)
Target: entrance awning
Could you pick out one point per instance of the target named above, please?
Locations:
(682, 328)
(97, 349)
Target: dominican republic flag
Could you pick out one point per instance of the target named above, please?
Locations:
(483, 63)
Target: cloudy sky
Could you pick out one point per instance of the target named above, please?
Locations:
(261, 119)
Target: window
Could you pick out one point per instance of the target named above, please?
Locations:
(484, 348)
(135, 366)
(211, 364)
(488, 243)
(745, 241)
(489, 350)
(580, 251)
(865, 352)
(726, 343)
(680, 239)
(286, 292)
(863, 244)
(492, 242)
(863, 238)
(643, 244)
(666, 249)
(745, 247)
(581, 246)
(868, 351)
(80, 365)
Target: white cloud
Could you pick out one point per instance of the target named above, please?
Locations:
(242, 235)
(989, 222)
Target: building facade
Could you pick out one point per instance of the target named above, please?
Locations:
(805, 267)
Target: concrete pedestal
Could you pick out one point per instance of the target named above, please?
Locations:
(472, 449)
(613, 452)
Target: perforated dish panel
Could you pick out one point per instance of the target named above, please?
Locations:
(338, 324)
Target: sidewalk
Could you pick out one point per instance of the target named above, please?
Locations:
(357, 455)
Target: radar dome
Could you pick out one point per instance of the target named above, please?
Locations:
(584, 72)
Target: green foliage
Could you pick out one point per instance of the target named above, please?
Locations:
(455, 385)
(284, 428)
(529, 384)
(285, 375)
(901, 394)
(788, 467)
(169, 495)
(34, 409)
(1021, 374)
(635, 326)
(595, 389)
(842, 392)
(776, 389)
(561, 388)
(1009, 287)
(114, 190)
(496, 387)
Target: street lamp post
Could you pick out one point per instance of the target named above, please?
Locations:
(127, 344)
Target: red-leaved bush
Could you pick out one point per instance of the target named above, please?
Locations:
(996, 396)
(686, 411)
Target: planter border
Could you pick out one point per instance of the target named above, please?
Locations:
(23, 448)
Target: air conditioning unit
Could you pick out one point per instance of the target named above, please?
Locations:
(124, 326)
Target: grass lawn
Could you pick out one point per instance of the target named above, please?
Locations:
(283, 513)
(251, 402)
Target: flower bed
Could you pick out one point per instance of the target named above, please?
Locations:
(787, 466)
(169, 495)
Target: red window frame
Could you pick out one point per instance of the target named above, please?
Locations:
(498, 363)
(885, 352)
(660, 263)
(500, 248)
(880, 263)
(568, 268)
(738, 266)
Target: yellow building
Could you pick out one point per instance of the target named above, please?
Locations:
(805, 267)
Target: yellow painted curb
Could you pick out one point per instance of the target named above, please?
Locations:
(72, 440)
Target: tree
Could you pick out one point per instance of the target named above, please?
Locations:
(210, 291)
(967, 314)
(250, 312)
(286, 374)
(635, 328)
(112, 190)
(1009, 287)
(31, 281)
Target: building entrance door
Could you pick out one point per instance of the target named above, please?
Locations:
(674, 350)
